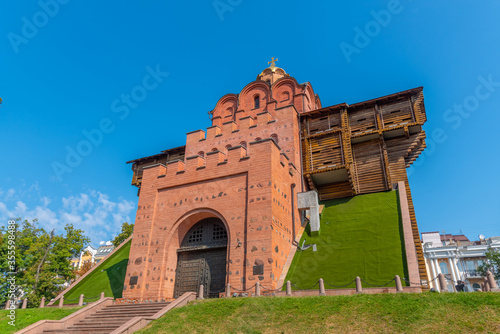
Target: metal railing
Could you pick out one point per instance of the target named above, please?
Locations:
(472, 273)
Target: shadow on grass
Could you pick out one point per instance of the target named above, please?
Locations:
(116, 275)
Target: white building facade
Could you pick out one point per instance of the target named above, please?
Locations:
(458, 262)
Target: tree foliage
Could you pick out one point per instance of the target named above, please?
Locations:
(85, 267)
(37, 252)
(127, 230)
(492, 263)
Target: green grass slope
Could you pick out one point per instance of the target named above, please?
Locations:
(109, 278)
(26, 317)
(359, 236)
(381, 313)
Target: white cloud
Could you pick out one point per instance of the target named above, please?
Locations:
(45, 200)
(92, 211)
(10, 193)
(77, 203)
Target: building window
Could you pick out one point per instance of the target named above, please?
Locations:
(256, 102)
(201, 154)
(476, 287)
(470, 265)
(258, 138)
(444, 268)
(244, 144)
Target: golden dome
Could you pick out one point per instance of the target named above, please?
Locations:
(272, 73)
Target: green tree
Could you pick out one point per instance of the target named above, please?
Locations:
(42, 259)
(492, 263)
(127, 230)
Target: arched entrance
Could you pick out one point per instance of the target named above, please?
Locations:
(201, 259)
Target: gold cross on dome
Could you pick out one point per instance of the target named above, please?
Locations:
(272, 62)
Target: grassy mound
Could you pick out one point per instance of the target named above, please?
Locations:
(109, 278)
(26, 317)
(359, 236)
(383, 313)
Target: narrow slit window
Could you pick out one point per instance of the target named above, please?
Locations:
(256, 102)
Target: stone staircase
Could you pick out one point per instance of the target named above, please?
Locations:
(110, 318)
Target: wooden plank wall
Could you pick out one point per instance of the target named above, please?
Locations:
(335, 190)
(325, 122)
(372, 164)
(362, 120)
(370, 169)
(397, 113)
(326, 151)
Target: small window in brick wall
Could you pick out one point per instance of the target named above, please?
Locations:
(256, 102)
(275, 138)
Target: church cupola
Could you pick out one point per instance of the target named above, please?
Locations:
(272, 73)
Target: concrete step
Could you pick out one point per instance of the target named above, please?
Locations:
(114, 311)
(135, 307)
(110, 318)
(99, 328)
(99, 321)
(139, 305)
(119, 310)
(73, 331)
(123, 314)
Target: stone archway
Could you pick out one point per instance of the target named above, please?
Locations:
(201, 259)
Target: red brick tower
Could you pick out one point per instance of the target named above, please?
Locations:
(221, 209)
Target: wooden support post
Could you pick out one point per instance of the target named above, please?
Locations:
(288, 288)
(322, 287)
(257, 289)
(25, 303)
(61, 301)
(228, 290)
(399, 286)
(201, 292)
(359, 288)
(80, 300)
(42, 302)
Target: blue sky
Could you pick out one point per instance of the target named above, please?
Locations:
(67, 68)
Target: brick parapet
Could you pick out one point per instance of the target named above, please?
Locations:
(283, 125)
